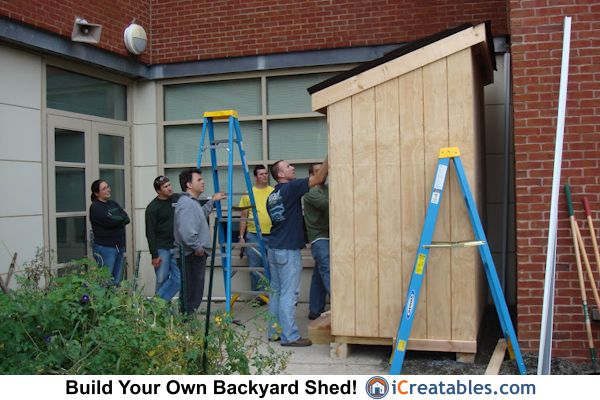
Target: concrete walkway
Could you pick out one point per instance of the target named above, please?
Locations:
(316, 360)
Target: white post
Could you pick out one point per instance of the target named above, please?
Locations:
(545, 352)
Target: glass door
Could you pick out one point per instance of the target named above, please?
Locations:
(111, 144)
(69, 177)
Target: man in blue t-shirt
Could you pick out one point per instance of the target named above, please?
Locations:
(287, 239)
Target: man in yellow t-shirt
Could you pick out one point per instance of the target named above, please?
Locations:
(261, 191)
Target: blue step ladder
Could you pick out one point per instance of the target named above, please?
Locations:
(420, 264)
(233, 141)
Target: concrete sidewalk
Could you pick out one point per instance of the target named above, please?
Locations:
(316, 360)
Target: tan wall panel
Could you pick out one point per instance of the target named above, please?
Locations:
(341, 217)
(389, 221)
(365, 213)
(435, 112)
(414, 187)
(462, 131)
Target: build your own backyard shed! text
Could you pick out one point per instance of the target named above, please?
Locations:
(216, 387)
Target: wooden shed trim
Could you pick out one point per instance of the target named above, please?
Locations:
(461, 40)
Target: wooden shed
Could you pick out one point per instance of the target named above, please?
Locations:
(387, 120)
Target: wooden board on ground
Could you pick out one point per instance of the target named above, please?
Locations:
(319, 330)
(493, 367)
(465, 349)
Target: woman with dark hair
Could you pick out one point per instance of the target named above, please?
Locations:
(108, 223)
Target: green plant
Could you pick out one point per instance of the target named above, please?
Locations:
(80, 324)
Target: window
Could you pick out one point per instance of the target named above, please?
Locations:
(70, 91)
(275, 119)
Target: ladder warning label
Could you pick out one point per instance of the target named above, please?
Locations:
(435, 197)
(401, 345)
(420, 264)
(440, 177)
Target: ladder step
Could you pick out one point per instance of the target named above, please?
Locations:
(222, 141)
(235, 219)
(464, 243)
(237, 245)
(248, 269)
(236, 208)
(220, 114)
(257, 292)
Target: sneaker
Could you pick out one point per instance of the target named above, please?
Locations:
(302, 342)
(276, 339)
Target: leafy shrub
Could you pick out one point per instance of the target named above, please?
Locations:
(80, 324)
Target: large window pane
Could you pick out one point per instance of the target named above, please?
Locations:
(69, 146)
(181, 143)
(116, 181)
(71, 238)
(112, 149)
(70, 189)
(297, 139)
(288, 95)
(84, 94)
(190, 101)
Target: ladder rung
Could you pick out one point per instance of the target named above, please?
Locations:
(248, 269)
(238, 245)
(464, 243)
(222, 141)
(250, 292)
(236, 208)
(235, 219)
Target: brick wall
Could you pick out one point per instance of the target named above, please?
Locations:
(58, 17)
(536, 34)
(221, 28)
(194, 30)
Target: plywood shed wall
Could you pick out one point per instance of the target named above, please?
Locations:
(386, 126)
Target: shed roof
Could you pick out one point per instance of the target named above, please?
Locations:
(409, 57)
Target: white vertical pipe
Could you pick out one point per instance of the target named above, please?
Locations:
(545, 352)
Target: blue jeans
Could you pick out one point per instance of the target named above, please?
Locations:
(319, 285)
(285, 266)
(111, 258)
(255, 261)
(168, 277)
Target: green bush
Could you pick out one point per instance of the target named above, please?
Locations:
(80, 324)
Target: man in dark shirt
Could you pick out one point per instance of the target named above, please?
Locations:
(287, 239)
(316, 218)
(159, 232)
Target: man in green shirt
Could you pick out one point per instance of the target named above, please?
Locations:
(316, 220)
(159, 232)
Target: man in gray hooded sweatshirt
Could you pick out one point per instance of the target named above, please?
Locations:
(192, 233)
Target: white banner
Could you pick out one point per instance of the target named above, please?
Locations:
(296, 387)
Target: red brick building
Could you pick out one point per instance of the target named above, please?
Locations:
(190, 42)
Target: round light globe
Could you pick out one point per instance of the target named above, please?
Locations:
(135, 39)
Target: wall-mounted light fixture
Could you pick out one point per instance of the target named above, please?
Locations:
(135, 39)
(85, 32)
